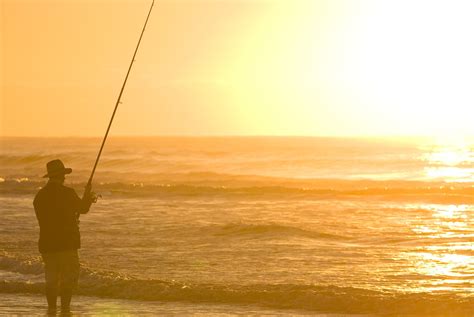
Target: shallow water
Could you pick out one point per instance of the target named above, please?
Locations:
(326, 225)
(33, 305)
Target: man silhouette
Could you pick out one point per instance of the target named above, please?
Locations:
(57, 209)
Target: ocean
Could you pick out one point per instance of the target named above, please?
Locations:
(254, 225)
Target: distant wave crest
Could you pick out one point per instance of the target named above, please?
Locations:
(205, 187)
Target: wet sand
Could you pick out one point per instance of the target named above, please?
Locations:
(35, 305)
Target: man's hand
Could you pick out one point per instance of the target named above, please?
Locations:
(89, 195)
(93, 197)
(88, 199)
(87, 191)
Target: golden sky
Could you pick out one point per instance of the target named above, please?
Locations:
(238, 67)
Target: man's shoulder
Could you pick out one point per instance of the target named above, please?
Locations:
(68, 190)
(55, 189)
(54, 193)
(41, 192)
(42, 195)
(71, 192)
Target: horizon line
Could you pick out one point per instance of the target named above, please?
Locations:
(224, 136)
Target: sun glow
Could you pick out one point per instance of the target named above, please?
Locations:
(390, 66)
(328, 67)
(395, 67)
(411, 64)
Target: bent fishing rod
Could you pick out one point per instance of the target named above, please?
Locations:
(88, 188)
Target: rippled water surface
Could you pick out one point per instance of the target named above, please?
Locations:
(331, 225)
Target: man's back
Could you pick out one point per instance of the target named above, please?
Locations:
(56, 208)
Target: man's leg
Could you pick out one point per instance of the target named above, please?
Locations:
(51, 274)
(69, 277)
(51, 297)
(66, 295)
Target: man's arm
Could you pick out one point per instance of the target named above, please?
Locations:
(36, 206)
(83, 205)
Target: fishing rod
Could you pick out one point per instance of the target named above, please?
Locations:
(88, 188)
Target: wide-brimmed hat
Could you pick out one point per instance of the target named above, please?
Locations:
(56, 168)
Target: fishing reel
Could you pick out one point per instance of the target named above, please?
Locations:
(91, 196)
(94, 197)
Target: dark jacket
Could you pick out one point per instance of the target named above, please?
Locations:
(57, 208)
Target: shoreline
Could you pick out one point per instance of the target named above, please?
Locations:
(35, 305)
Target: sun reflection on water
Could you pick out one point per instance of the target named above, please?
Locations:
(444, 258)
(451, 211)
(451, 162)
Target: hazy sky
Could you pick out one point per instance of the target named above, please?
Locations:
(238, 67)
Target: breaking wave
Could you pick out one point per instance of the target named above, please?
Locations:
(290, 296)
